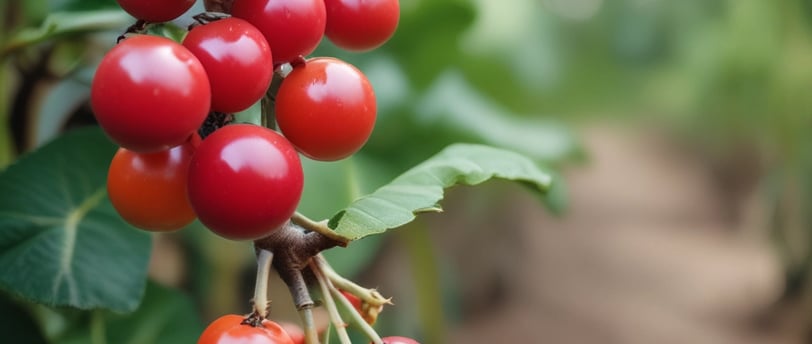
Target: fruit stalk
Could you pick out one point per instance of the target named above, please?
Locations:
(223, 6)
(328, 271)
(329, 302)
(311, 334)
(261, 301)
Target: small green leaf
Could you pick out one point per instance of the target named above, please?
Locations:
(421, 188)
(61, 241)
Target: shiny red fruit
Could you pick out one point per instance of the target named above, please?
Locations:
(150, 94)
(398, 340)
(237, 60)
(149, 190)
(361, 25)
(293, 28)
(229, 329)
(156, 11)
(245, 181)
(294, 331)
(326, 108)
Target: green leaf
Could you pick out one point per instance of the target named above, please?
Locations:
(61, 241)
(56, 107)
(67, 23)
(421, 188)
(473, 113)
(165, 316)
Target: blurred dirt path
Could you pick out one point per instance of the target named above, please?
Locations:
(648, 253)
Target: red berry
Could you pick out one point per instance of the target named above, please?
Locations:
(229, 329)
(293, 28)
(361, 25)
(354, 300)
(156, 10)
(398, 340)
(149, 190)
(150, 94)
(326, 108)
(237, 60)
(294, 331)
(245, 181)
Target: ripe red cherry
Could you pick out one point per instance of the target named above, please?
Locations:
(295, 332)
(361, 25)
(354, 301)
(237, 59)
(326, 108)
(150, 94)
(245, 181)
(229, 329)
(293, 28)
(149, 190)
(398, 340)
(156, 10)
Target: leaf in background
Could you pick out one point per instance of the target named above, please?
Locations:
(61, 241)
(66, 23)
(332, 185)
(428, 37)
(17, 323)
(471, 112)
(61, 101)
(81, 5)
(165, 316)
(421, 188)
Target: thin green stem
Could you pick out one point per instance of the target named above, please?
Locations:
(329, 303)
(265, 106)
(268, 103)
(97, 331)
(311, 334)
(264, 260)
(369, 296)
(318, 227)
(426, 279)
(356, 317)
(6, 151)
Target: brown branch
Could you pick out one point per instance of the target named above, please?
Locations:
(223, 6)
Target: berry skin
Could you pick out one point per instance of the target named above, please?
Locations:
(361, 25)
(149, 190)
(237, 60)
(354, 301)
(295, 332)
(156, 11)
(245, 181)
(229, 329)
(293, 28)
(326, 108)
(150, 94)
(398, 340)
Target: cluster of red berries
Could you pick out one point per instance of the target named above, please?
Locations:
(151, 95)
